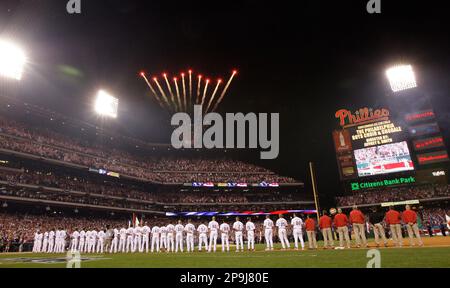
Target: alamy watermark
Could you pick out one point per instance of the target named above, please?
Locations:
(375, 258)
(373, 6)
(190, 134)
(73, 7)
(73, 259)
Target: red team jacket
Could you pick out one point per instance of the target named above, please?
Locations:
(325, 222)
(393, 217)
(356, 216)
(340, 220)
(310, 224)
(409, 216)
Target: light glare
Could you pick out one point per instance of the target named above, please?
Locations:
(106, 105)
(12, 60)
(401, 77)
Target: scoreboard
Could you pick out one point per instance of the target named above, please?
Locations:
(375, 145)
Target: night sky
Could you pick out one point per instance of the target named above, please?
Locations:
(303, 60)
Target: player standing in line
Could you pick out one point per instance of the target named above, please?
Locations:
(170, 236)
(81, 242)
(130, 239)
(179, 228)
(74, 242)
(109, 234)
(101, 241)
(137, 238)
(36, 244)
(190, 230)
(202, 236)
(410, 219)
(51, 241)
(213, 227)
(376, 218)
(94, 235)
(325, 226)
(122, 239)
(115, 241)
(238, 227)
(57, 241)
(225, 229)
(63, 240)
(282, 233)
(45, 242)
(250, 227)
(311, 232)
(88, 241)
(297, 231)
(163, 238)
(268, 232)
(155, 239)
(145, 236)
(393, 219)
(341, 222)
(358, 221)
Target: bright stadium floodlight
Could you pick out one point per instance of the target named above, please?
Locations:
(12, 60)
(106, 105)
(401, 77)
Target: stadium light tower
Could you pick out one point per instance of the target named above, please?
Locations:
(401, 77)
(12, 60)
(106, 104)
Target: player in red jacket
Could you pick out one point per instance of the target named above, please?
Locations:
(341, 222)
(358, 221)
(410, 219)
(393, 219)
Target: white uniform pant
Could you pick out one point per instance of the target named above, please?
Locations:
(100, 245)
(170, 243)
(144, 244)
(225, 242)
(81, 246)
(212, 241)
(137, 243)
(239, 241)
(179, 242)
(74, 245)
(268, 234)
(122, 244)
(202, 239)
(250, 240)
(51, 244)
(113, 248)
(91, 246)
(298, 235)
(130, 243)
(163, 242)
(44, 245)
(190, 242)
(155, 243)
(282, 234)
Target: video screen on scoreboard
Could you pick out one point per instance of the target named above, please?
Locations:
(383, 159)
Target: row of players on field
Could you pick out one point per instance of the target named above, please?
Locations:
(171, 238)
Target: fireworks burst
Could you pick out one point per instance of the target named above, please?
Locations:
(179, 98)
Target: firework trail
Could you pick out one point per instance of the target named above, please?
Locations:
(180, 106)
(172, 97)
(204, 92)
(198, 89)
(224, 91)
(162, 93)
(153, 90)
(213, 95)
(184, 92)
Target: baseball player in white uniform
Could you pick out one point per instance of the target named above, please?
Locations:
(130, 239)
(81, 242)
(101, 235)
(122, 239)
(155, 239)
(297, 231)
(268, 232)
(137, 238)
(57, 241)
(51, 241)
(282, 233)
(170, 236)
(74, 242)
(93, 241)
(163, 237)
(202, 236)
(44, 242)
(238, 227)
(190, 230)
(250, 227)
(145, 237)
(213, 227)
(225, 229)
(115, 241)
(179, 228)
(37, 242)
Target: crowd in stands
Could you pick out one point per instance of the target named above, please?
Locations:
(95, 187)
(394, 194)
(49, 144)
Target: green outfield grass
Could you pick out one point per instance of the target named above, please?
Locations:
(390, 257)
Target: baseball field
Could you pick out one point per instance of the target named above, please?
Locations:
(435, 253)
